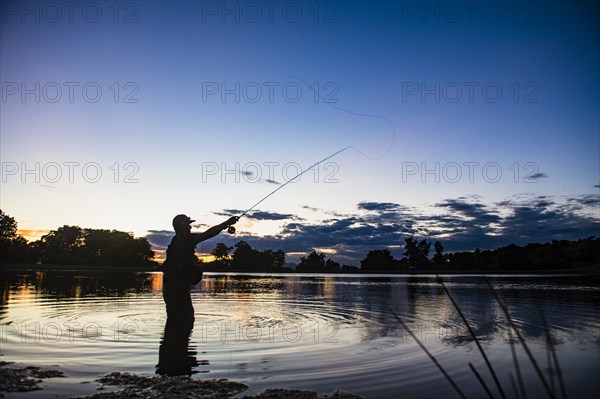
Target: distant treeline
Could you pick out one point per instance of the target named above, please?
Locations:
(557, 255)
(73, 245)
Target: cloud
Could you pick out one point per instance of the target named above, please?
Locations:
(263, 215)
(461, 224)
(475, 213)
(591, 200)
(248, 176)
(542, 219)
(229, 212)
(159, 238)
(258, 215)
(324, 211)
(536, 176)
(377, 206)
(385, 213)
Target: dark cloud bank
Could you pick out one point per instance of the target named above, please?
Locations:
(461, 224)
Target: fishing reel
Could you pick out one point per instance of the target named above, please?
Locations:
(231, 230)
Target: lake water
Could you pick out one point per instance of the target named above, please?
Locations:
(317, 332)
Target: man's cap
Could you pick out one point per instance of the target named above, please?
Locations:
(181, 220)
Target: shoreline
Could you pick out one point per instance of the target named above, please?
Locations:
(74, 268)
(22, 380)
(589, 270)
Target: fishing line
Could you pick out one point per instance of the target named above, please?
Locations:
(323, 100)
(332, 105)
(231, 229)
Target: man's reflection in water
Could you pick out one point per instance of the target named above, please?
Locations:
(175, 356)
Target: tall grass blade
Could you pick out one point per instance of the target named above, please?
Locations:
(522, 394)
(464, 319)
(521, 339)
(554, 357)
(433, 359)
(514, 386)
(483, 384)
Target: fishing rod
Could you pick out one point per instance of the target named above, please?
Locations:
(231, 229)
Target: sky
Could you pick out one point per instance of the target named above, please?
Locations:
(473, 123)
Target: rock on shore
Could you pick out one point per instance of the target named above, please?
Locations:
(24, 379)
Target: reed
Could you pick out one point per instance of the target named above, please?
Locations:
(518, 387)
(433, 359)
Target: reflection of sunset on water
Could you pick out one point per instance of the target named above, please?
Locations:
(329, 287)
(156, 280)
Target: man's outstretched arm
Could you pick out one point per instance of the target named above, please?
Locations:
(213, 231)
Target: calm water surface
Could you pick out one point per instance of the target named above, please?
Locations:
(317, 332)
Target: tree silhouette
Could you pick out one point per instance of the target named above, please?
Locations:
(97, 244)
(246, 258)
(313, 263)
(416, 253)
(278, 258)
(73, 245)
(332, 266)
(63, 245)
(12, 245)
(8, 228)
(378, 260)
(221, 252)
(439, 258)
(424, 247)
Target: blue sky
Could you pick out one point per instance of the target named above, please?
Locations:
(477, 125)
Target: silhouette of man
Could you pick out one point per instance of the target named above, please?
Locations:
(181, 269)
